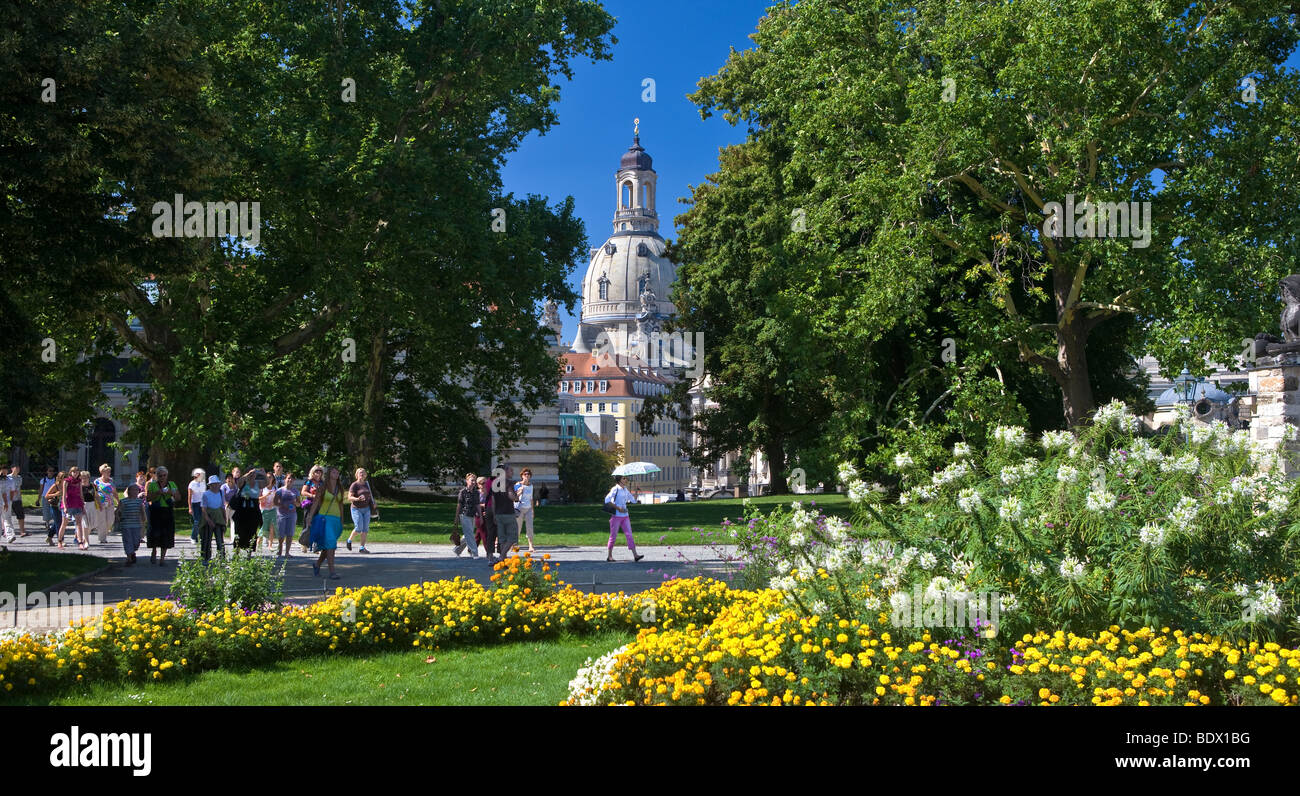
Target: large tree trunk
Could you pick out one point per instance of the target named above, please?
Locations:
(1076, 386)
(775, 452)
(363, 446)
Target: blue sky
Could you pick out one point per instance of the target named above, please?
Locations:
(675, 43)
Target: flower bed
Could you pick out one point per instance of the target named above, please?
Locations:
(758, 653)
(157, 639)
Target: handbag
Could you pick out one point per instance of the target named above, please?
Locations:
(455, 537)
(304, 538)
(610, 508)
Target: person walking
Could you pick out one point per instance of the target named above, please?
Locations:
(467, 509)
(50, 486)
(244, 511)
(620, 497)
(485, 531)
(161, 529)
(131, 519)
(72, 502)
(214, 519)
(308, 496)
(105, 503)
(266, 502)
(12, 485)
(325, 519)
(501, 512)
(524, 508)
(198, 486)
(545, 495)
(228, 490)
(363, 503)
(286, 517)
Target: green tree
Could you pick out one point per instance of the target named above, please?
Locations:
(928, 141)
(585, 471)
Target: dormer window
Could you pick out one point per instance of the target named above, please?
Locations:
(593, 368)
(603, 284)
(642, 250)
(568, 368)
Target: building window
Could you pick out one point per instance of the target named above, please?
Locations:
(591, 386)
(588, 407)
(604, 386)
(568, 368)
(602, 407)
(593, 368)
(616, 425)
(564, 386)
(603, 284)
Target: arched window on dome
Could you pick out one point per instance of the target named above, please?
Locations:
(604, 288)
(626, 201)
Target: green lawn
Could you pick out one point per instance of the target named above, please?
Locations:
(528, 673)
(587, 524)
(41, 570)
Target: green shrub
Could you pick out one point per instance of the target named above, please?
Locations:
(252, 584)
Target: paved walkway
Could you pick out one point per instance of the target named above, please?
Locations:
(388, 565)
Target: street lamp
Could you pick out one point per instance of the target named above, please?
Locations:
(1185, 389)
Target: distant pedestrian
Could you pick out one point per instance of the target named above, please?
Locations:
(620, 497)
(131, 519)
(325, 519)
(160, 534)
(308, 496)
(286, 516)
(51, 485)
(278, 471)
(72, 502)
(105, 503)
(15, 516)
(363, 503)
(545, 494)
(245, 514)
(467, 508)
(501, 513)
(228, 490)
(266, 502)
(214, 519)
(524, 506)
(486, 531)
(198, 486)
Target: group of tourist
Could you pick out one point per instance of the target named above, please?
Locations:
(257, 508)
(261, 508)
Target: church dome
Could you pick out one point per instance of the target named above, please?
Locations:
(636, 157)
(620, 271)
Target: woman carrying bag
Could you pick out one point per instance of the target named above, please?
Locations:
(617, 499)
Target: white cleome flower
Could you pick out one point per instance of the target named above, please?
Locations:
(818, 607)
(969, 500)
(1099, 500)
(1010, 435)
(1183, 514)
(924, 493)
(961, 567)
(951, 473)
(1071, 568)
(902, 460)
(872, 603)
(1010, 475)
(1055, 440)
(858, 492)
(927, 560)
(1067, 474)
(847, 473)
(1117, 414)
(1010, 509)
(797, 539)
(1009, 602)
(960, 450)
(1152, 534)
(784, 583)
(1036, 568)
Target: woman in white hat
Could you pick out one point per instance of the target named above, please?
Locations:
(197, 488)
(214, 519)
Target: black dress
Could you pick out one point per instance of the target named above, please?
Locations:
(162, 521)
(247, 515)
